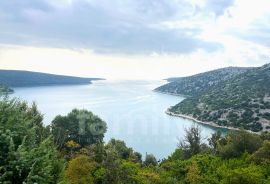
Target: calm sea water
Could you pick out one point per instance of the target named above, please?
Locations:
(133, 112)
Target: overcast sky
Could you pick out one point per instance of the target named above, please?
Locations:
(133, 39)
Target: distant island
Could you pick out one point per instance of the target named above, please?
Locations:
(230, 97)
(17, 78)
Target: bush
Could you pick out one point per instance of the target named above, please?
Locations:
(238, 143)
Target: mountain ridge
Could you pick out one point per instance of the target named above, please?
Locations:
(196, 84)
(241, 101)
(21, 78)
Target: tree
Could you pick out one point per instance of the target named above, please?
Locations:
(99, 152)
(17, 116)
(27, 153)
(111, 164)
(248, 175)
(150, 159)
(82, 126)
(128, 172)
(193, 175)
(80, 170)
(148, 175)
(192, 143)
(263, 154)
(239, 142)
(137, 157)
(176, 155)
(120, 147)
(214, 140)
(265, 136)
(5, 90)
(43, 162)
(72, 146)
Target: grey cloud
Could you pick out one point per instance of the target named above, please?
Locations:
(259, 35)
(13, 11)
(257, 32)
(218, 6)
(104, 26)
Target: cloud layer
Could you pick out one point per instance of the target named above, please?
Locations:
(120, 26)
(146, 39)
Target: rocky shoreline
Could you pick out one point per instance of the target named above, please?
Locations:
(198, 121)
(168, 93)
(212, 124)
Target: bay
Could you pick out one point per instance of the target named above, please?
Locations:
(132, 110)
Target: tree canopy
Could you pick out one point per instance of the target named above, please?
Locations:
(81, 126)
(33, 153)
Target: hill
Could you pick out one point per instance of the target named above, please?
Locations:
(173, 79)
(16, 78)
(241, 101)
(193, 85)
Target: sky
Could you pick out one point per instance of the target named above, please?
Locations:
(133, 39)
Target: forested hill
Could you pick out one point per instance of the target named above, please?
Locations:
(193, 85)
(242, 101)
(16, 78)
(173, 79)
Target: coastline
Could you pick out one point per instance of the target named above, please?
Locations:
(198, 121)
(211, 124)
(190, 117)
(168, 93)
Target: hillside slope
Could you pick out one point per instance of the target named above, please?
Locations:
(193, 85)
(242, 101)
(16, 78)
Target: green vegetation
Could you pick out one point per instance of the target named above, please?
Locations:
(242, 101)
(80, 126)
(60, 153)
(5, 90)
(27, 151)
(197, 84)
(14, 78)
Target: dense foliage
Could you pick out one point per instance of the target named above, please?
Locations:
(80, 126)
(32, 153)
(5, 90)
(27, 154)
(242, 101)
(14, 78)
